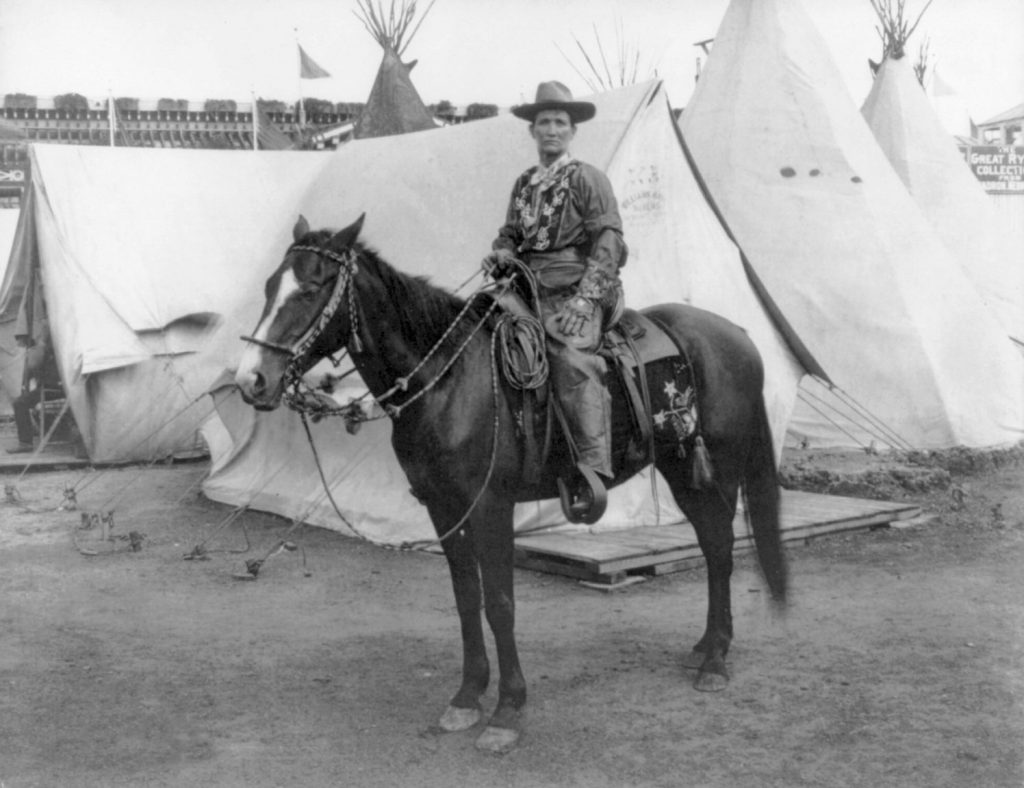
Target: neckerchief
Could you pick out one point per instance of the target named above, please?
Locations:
(540, 201)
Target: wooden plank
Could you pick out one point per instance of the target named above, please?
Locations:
(607, 556)
(668, 567)
(553, 566)
(612, 545)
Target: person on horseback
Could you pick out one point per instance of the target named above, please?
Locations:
(563, 223)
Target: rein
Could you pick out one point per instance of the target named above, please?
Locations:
(299, 402)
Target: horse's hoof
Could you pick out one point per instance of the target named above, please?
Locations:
(456, 719)
(707, 681)
(497, 740)
(694, 660)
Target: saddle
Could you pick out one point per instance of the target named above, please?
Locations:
(629, 347)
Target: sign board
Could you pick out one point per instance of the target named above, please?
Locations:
(13, 175)
(999, 168)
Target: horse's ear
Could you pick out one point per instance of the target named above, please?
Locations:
(345, 238)
(301, 228)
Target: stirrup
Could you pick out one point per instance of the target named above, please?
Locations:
(589, 505)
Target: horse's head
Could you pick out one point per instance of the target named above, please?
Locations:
(305, 302)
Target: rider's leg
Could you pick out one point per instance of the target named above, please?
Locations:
(579, 380)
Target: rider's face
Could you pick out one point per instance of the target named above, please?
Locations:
(553, 130)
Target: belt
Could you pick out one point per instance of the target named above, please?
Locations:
(559, 268)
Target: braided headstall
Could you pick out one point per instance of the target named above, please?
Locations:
(298, 362)
(300, 398)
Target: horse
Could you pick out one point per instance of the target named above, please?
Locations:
(427, 355)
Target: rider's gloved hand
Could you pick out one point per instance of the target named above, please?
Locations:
(576, 313)
(498, 263)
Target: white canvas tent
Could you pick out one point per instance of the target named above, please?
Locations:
(9, 357)
(433, 202)
(8, 223)
(842, 248)
(929, 163)
(140, 289)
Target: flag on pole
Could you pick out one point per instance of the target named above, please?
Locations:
(309, 68)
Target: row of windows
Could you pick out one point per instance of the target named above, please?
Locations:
(13, 154)
(162, 115)
(1010, 134)
(138, 124)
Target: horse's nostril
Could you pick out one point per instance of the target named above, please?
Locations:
(259, 384)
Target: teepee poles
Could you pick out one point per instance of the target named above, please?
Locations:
(603, 75)
(893, 28)
(391, 30)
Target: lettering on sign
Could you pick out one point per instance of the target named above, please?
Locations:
(12, 176)
(999, 168)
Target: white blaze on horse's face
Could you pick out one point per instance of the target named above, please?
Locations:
(252, 357)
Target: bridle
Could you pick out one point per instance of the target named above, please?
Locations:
(347, 270)
(297, 351)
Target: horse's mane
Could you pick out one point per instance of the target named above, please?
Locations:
(425, 311)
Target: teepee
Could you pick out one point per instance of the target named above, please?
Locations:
(394, 105)
(915, 357)
(929, 163)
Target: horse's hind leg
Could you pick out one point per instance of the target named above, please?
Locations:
(464, 709)
(710, 512)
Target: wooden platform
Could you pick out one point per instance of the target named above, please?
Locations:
(612, 557)
(56, 457)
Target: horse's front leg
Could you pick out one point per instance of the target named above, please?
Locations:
(495, 550)
(464, 710)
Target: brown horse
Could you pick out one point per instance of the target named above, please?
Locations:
(428, 356)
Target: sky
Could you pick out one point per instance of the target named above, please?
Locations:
(489, 51)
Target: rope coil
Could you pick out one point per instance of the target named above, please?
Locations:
(522, 345)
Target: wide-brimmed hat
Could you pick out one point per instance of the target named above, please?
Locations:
(555, 95)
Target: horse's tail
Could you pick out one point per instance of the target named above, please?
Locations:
(761, 490)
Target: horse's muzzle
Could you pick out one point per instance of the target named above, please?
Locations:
(253, 387)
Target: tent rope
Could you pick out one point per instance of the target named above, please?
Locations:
(200, 549)
(44, 441)
(90, 478)
(803, 396)
(894, 438)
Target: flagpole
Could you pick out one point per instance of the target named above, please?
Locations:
(255, 123)
(308, 69)
(301, 107)
(111, 115)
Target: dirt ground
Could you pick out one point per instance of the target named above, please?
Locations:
(900, 661)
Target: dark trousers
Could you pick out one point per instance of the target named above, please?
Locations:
(22, 406)
(579, 380)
